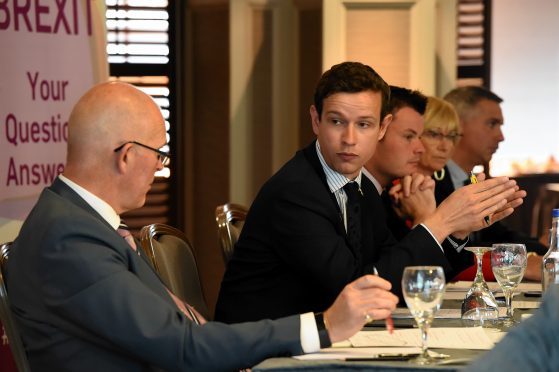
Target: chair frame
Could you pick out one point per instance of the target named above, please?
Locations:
(225, 215)
(8, 321)
(150, 233)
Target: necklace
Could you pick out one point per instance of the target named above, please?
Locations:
(439, 176)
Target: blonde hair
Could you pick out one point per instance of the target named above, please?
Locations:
(441, 114)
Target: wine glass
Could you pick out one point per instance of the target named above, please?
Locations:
(479, 304)
(423, 288)
(508, 262)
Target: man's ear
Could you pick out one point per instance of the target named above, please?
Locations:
(315, 119)
(122, 159)
(384, 126)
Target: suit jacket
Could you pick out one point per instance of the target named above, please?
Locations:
(399, 228)
(497, 232)
(532, 346)
(85, 301)
(293, 254)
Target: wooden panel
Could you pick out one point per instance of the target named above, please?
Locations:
(310, 67)
(208, 128)
(358, 29)
(381, 38)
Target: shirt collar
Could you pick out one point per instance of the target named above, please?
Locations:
(372, 178)
(334, 179)
(457, 174)
(100, 206)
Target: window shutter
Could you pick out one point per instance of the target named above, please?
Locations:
(473, 42)
(139, 53)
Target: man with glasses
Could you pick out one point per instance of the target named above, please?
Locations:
(86, 299)
(481, 120)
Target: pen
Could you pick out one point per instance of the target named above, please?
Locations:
(384, 356)
(389, 325)
(473, 180)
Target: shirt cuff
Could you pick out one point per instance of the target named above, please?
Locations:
(433, 236)
(458, 244)
(310, 341)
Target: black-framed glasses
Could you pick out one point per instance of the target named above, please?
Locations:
(438, 136)
(162, 156)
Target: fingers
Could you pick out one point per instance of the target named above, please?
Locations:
(504, 213)
(406, 182)
(395, 189)
(428, 183)
(492, 185)
(371, 281)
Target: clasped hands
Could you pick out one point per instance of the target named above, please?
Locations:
(463, 211)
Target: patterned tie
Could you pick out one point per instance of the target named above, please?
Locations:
(353, 215)
(124, 231)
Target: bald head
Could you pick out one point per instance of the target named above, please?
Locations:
(107, 116)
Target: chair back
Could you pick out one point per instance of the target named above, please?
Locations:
(6, 316)
(230, 219)
(546, 200)
(174, 260)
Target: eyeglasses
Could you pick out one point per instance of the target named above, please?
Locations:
(438, 136)
(162, 156)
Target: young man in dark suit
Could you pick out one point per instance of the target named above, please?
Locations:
(85, 299)
(317, 224)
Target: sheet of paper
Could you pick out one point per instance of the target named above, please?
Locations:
(352, 352)
(404, 313)
(454, 295)
(526, 304)
(464, 286)
(473, 338)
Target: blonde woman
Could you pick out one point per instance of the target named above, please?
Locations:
(440, 135)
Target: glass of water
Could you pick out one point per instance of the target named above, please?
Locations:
(423, 288)
(508, 262)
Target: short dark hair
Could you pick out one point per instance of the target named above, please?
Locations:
(351, 77)
(464, 99)
(404, 97)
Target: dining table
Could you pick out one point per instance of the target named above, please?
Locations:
(525, 303)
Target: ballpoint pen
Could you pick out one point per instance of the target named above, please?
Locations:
(473, 180)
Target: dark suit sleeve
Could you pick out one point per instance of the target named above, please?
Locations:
(92, 294)
(500, 233)
(418, 247)
(532, 346)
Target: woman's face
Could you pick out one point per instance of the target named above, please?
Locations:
(439, 145)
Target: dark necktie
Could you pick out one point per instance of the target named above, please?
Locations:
(353, 215)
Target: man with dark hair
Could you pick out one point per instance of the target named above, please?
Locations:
(481, 119)
(396, 160)
(86, 299)
(317, 223)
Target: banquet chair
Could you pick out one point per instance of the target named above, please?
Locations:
(6, 316)
(230, 219)
(174, 260)
(546, 200)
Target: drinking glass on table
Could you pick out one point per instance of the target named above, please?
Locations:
(508, 262)
(423, 288)
(479, 304)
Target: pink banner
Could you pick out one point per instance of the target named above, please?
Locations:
(52, 52)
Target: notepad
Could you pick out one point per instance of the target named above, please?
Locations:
(473, 338)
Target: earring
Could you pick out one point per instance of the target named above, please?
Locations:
(437, 176)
